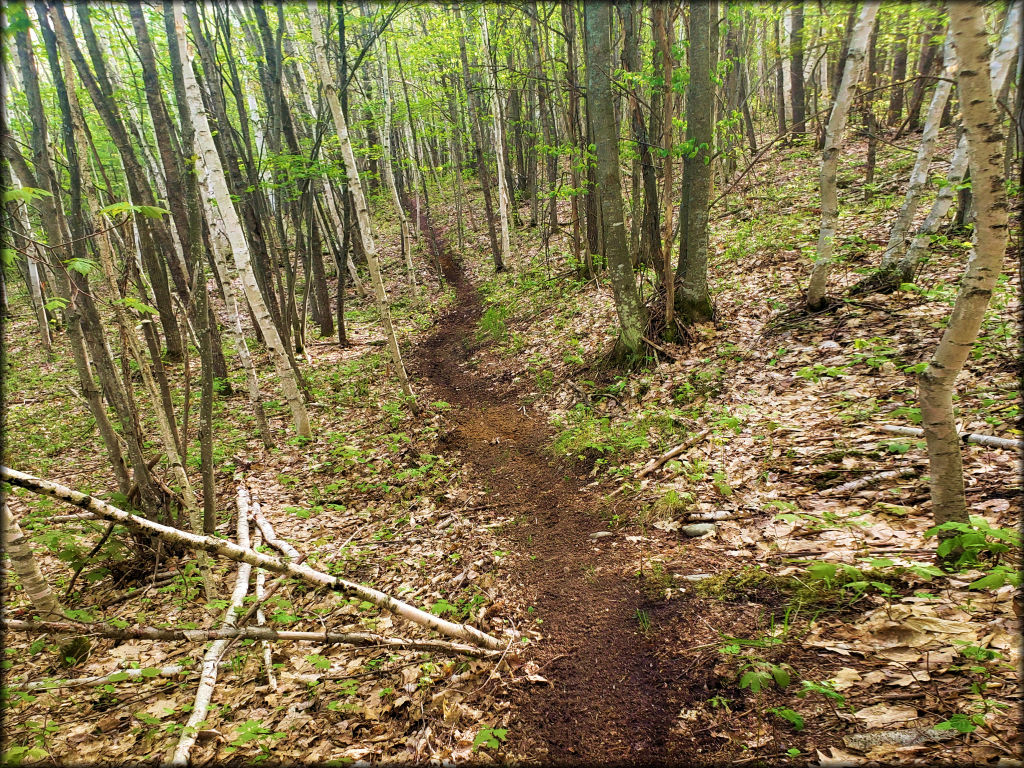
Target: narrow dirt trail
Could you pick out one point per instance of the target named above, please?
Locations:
(615, 692)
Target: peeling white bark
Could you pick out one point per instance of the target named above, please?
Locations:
(834, 134)
(240, 554)
(209, 166)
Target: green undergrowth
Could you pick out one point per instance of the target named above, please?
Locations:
(605, 444)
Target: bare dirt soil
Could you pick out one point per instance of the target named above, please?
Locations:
(615, 691)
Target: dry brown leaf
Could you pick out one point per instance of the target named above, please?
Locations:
(879, 715)
(845, 678)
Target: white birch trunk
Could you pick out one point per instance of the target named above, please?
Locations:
(919, 174)
(359, 202)
(209, 165)
(834, 134)
(35, 289)
(985, 146)
(323, 183)
(999, 67)
(504, 202)
(389, 174)
(234, 325)
(23, 560)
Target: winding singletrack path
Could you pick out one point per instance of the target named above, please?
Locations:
(615, 691)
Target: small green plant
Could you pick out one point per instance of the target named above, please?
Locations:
(253, 732)
(490, 738)
(757, 674)
(492, 324)
(977, 544)
(644, 620)
(818, 371)
(791, 716)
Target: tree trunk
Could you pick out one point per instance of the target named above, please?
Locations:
(999, 67)
(632, 315)
(208, 163)
(926, 61)
(482, 171)
(834, 135)
(796, 68)
(985, 153)
(693, 301)
(359, 202)
(18, 549)
(780, 79)
(899, 71)
(664, 38)
(389, 175)
(919, 175)
(504, 201)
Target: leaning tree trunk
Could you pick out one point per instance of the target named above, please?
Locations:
(208, 161)
(919, 175)
(830, 157)
(632, 315)
(999, 67)
(359, 201)
(23, 560)
(985, 152)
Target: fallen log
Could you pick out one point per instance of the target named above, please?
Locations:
(272, 538)
(358, 639)
(240, 554)
(686, 445)
(211, 659)
(117, 676)
(261, 596)
(869, 480)
(967, 437)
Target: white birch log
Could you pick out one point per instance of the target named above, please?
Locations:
(84, 682)
(239, 554)
(272, 538)
(209, 166)
(266, 634)
(869, 480)
(261, 619)
(211, 661)
(834, 134)
(359, 202)
(965, 437)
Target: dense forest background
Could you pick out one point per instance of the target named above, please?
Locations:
(488, 381)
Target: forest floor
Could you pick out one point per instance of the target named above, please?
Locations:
(806, 625)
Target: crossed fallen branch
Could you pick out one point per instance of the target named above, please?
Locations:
(245, 555)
